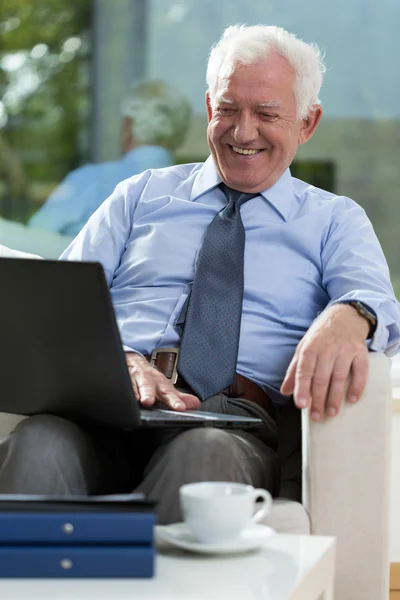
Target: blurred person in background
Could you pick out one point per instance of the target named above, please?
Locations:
(155, 120)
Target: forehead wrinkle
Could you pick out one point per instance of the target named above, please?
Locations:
(270, 104)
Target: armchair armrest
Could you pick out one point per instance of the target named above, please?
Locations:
(346, 478)
(46, 244)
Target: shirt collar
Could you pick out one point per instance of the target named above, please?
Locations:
(207, 178)
(280, 195)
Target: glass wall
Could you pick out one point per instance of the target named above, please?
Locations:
(64, 65)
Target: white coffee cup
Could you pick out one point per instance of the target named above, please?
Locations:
(218, 511)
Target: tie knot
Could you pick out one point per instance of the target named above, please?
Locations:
(238, 198)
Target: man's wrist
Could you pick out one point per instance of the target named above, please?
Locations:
(366, 314)
(132, 357)
(344, 309)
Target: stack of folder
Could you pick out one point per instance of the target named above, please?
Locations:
(95, 536)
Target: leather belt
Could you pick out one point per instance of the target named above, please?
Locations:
(165, 360)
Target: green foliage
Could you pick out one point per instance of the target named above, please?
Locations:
(43, 85)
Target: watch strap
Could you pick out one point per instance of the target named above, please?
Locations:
(365, 312)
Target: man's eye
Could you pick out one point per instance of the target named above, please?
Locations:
(269, 117)
(226, 111)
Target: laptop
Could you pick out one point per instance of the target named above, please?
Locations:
(61, 352)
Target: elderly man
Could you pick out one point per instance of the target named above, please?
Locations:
(268, 286)
(155, 119)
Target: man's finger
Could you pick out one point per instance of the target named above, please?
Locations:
(358, 377)
(191, 402)
(170, 397)
(339, 379)
(135, 388)
(303, 378)
(142, 381)
(145, 385)
(287, 386)
(320, 385)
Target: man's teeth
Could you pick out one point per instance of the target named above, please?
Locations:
(243, 151)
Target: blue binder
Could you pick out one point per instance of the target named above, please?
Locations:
(76, 561)
(77, 528)
(76, 536)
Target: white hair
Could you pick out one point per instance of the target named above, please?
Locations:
(248, 45)
(160, 115)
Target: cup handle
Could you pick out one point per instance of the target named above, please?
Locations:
(265, 507)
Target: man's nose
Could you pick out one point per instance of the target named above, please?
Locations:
(245, 130)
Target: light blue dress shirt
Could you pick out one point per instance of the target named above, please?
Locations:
(305, 249)
(77, 197)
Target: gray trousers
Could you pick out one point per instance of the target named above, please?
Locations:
(49, 455)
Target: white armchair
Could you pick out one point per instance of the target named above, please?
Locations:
(346, 477)
(345, 467)
(346, 486)
(48, 244)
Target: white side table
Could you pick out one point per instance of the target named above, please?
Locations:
(289, 567)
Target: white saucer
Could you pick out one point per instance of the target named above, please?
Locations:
(180, 535)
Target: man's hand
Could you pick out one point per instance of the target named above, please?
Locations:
(150, 385)
(332, 351)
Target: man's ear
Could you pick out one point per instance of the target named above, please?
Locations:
(208, 106)
(310, 124)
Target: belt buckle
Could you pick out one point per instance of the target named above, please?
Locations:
(153, 360)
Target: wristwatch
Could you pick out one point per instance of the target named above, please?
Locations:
(367, 314)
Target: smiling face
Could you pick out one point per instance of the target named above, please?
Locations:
(253, 130)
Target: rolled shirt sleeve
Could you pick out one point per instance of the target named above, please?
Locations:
(355, 268)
